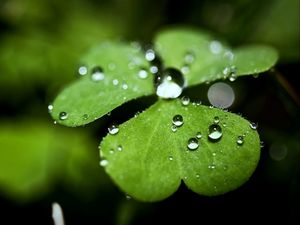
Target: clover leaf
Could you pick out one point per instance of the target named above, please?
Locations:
(211, 150)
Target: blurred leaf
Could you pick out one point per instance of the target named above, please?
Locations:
(153, 159)
(203, 59)
(112, 79)
(34, 156)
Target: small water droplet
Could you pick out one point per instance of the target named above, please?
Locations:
(225, 167)
(174, 128)
(85, 116)
(82, 70)
(153, 69)
(216, 119)
(214, 154)
(253, 125)
(54, 122)
(136, 114)
(124, 86)
(128, 197)
(256, 75)
(143, 74)
(108, 114)
(185, 69)
(115, 82)
(199, 135)
(212, 166)
(232, 77)
(171, 158)
(97, 74)
(215, 47)
(150, 55)
(197, 176)
(193, 144)
(111, 151)
(262, 144)
(63, 115)
(103, 162)
(119, 148)
(185, 100)
(240, 140)
(177, 120)
(215, 132)
(189, 57)
(113, 129)
(170, 83)
(50, 108)
(224, 124)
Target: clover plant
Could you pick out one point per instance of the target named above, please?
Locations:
(211, 150)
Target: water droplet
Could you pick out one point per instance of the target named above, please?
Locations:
(85, 116)
(192, 144)
(128, 197)
(177, 120)
(170, 83)
(189, 57)
(197, 176)
(232, 77)
(225, 167)
(185, 69)
(240, 140)
(113, 129)
(256, 75)
(50, 108)
(215, 132)
(185, 100)
(150, 55)
(224, 124)
(174, 128)
(253, 125)
(108, 114)
(136, 114)
(171, 158)
(124, 85)
(54, 122)
(103, 162)
(111, 151)
(143, 74)
(63, 115)
(97, 74)
(214, 154)
(215, 47)
(115, 82)
(199, 135)
(119, 148)
(221, 95)
(212, 166)
(262, 144)
(153, 69)
(216, 119)
(82, 70)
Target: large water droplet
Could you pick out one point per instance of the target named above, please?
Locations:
(82, 70)
(253, 125)
(103, 162)
(170, 83)
(193, 144)
(185, 100)
(113, 129)
(63, 115)
(150, 55)
(240, 140)
(97, 74)
(215, 132)
(177, 120)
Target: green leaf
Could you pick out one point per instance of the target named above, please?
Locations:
(203, 59)
(34, 156)
(86, 100)
(154, 159)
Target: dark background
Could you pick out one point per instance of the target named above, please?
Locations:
(40, 46)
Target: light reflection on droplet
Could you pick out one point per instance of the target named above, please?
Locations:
(221, 95)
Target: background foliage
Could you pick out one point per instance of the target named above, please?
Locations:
(40, 44)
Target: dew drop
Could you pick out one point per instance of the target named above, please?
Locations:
(215, 47)
(124, 86)
(50, 108)
(113, 129)
(63, 115)
(262, 144)
(115, 82)
(128, 197)
(170, 83)
(185, 100)
(212, 166)
(253, 125)
(215, 132)
(150, 55)
(120, 148)
(153, 69)
(174, 128)
(199, 135)
(240, 140)
(97, 74)
(111, 151)
(216, 119)
(177, 120)
(197, 176)
(85, 116)
(54, 122)
(103, 162)
(232, 77)
(82, 70)
(143, 74)
(192, 144)
(189, 57)
(171, 158)
(185, 69)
